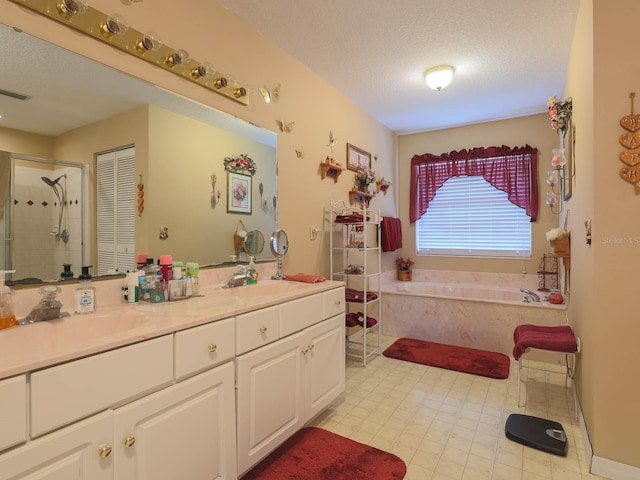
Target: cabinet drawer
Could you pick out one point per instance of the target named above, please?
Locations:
(333, 302)
(203, 347)
(68, 392)
(256, 329)
(13, 413)
(299, 314)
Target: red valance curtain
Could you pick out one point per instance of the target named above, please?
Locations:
(512, 170)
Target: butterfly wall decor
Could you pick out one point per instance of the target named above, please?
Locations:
(270, 94)
(285, 126)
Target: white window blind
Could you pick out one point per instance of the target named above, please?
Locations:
(471, 218)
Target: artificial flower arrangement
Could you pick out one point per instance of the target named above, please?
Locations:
(364, 177)
(241, 163)
(559, 112)
(403, 264)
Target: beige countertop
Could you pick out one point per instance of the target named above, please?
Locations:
(35, 346)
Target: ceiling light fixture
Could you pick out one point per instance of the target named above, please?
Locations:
(439, 77)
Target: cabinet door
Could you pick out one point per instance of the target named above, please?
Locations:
(270, 398)
(79, 452)
(186, 431)
(13, 413)
(325, 368)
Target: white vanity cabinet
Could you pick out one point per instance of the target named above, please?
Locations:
(284, 384)
(13, 411)
(182, 431)
(82, 451)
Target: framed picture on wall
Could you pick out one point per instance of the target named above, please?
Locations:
(357, 158)
(238, 193)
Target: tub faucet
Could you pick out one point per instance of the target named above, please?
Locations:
(239, 278)
(529, 296)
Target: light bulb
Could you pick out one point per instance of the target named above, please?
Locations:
(149, 42)
(114, 25)
(205, 70)
(179, 57)
(70, 8)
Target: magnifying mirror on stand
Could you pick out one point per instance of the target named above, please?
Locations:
(279, 247)
(254, 243)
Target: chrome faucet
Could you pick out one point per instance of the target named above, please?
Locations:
(239, 278)
(529, 296)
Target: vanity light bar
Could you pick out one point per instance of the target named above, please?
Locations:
(91, 22)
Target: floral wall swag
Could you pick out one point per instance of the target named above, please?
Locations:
(240, 164)
(560, 113)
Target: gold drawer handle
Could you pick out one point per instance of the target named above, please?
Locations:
(311, 347)
(305, 351)
(104, 451)
(263, 329)
(129, 441)
(212, 347)
(338, 302)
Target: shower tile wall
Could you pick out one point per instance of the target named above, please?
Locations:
(37, 253)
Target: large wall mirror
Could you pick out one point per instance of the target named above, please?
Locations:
(171, 186)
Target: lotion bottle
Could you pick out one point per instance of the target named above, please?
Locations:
(252, 274)
(85, 293)
(7, 317)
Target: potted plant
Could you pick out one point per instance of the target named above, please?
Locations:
(404, 268)
(364, 177)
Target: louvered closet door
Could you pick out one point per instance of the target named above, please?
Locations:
(116, 201)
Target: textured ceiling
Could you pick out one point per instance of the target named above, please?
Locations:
(509, 55)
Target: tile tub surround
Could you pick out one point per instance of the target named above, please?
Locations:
(483, 323)
(115, 324)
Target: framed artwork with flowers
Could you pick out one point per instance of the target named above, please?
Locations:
(238, 193)
(357, 158)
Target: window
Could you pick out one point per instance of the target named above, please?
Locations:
(470, 217)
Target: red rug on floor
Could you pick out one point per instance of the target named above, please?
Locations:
(316, 454)
(460, 359)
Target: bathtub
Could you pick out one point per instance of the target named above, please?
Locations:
(468, 309)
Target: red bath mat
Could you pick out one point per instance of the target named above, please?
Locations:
(460, 359)
(316, 454)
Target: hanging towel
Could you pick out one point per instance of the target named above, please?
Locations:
(557, 339)
(391, 232)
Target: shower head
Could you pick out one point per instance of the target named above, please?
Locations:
(53, 183)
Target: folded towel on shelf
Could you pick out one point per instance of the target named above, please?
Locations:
(305, 277)
(351, 218)
(357, 318)
(353, 295)
(391, 234)
(557, 339)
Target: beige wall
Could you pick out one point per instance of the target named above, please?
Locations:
(179, 198)
(16, 141)
(613, 324)
(533, 130)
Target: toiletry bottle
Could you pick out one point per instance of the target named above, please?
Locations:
(252, 274)
(141, 261)
(7, 317)
(134, 289)
(166, 267)
(66, 274)
(193, 271)
(85, 293)
(124, 290)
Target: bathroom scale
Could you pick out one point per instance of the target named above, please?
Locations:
(538, 433)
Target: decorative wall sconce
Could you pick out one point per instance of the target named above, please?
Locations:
(270, 94)
(113, 29)
(439, 77)
(114, 25)
(556, 180)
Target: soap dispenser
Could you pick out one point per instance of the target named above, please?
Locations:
(66, 274)
(252, 274)
(85, 293)
(7, 317)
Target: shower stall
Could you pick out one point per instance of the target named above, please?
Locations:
(42, 220)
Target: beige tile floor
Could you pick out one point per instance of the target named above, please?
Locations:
(450, 426)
